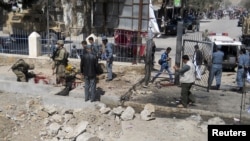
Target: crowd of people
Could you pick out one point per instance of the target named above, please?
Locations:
(65, 73)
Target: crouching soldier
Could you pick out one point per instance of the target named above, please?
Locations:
(70, 76)
(21, 69)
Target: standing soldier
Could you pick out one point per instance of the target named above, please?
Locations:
(60, 62)
(108, 57)
(217, 59)
(21, 69)
(243, 61)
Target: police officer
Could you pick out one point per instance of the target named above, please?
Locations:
(243, 61)
(21, 69)
(216, 70)
(108, 57)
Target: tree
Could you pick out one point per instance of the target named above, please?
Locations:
(245, 4)
(87, 18)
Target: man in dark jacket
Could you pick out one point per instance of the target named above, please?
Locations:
(197, 60)
(88, 68)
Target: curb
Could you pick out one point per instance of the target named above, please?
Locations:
(167, 111)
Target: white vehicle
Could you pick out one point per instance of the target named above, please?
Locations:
(229, 46)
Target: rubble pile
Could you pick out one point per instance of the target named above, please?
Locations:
(60, 124)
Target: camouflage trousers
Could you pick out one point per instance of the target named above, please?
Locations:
(23, 77)
(60, 74)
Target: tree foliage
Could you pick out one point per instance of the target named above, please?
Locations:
(245, 4)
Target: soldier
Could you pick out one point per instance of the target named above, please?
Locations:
(60, 62)
(70, 76)
(21, 69)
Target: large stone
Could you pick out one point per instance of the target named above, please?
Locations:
(57, 118)
(118, 111)
(104, 110)
(50, 110)
(146, 115)
(87, 137)
(128, 114)
(216, 121)
(53, 129)
(80, 128)
(150, 107)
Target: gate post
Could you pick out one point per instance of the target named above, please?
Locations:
(178, 50)
(34, 45)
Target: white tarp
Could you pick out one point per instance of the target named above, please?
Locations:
(152, 20)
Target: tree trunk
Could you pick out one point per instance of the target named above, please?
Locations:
(87, 18)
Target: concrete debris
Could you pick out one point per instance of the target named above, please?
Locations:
(82, 125)
(128, 114)
(148, 112)
(104, 110)
(53, 129)
(118, 111)
(50, 109)
(216, 121)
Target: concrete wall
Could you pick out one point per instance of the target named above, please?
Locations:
(46, 62)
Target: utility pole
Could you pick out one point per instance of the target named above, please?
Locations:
(48, 36)
(178, 50)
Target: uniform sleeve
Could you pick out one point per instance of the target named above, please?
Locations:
(60, 57)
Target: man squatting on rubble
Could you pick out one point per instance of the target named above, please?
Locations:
(21, 69)
(70, 76)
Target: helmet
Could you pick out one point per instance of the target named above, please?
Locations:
(31, 66)
(69, 67)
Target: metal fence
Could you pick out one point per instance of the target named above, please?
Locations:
(128, 46)
(207, 48)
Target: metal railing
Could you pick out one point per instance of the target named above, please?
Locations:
(128, 46)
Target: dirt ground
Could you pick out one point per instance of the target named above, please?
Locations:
(23, 118)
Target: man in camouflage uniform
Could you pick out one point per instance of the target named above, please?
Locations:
(21, 69)
(60, 62)
(70, 76)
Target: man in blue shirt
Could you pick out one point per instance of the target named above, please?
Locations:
(165, 65)
(243, 62)
(108, 57)
(216, 71)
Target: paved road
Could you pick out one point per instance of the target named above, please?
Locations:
(220, 26)
(222, 101)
